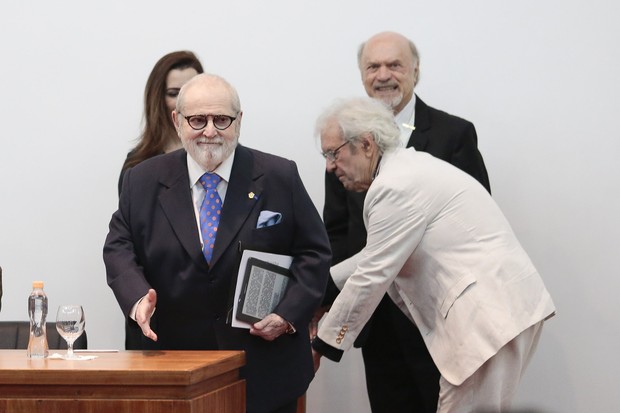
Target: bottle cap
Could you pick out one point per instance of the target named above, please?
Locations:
(37, 284)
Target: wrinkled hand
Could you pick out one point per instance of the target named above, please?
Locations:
(145, 310)
(316, 358)
(270, 327)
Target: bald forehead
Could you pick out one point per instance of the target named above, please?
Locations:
(387, 45)
(205, 85)
(205, 90)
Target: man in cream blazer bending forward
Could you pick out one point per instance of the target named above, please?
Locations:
(441, 248)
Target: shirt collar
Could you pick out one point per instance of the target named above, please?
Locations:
(405, 119)
(407, 114)
(196, 171)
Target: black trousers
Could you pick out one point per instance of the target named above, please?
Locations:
(133, 335)
(400, 373)
(288, 408)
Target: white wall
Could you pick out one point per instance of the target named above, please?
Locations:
(539, 79)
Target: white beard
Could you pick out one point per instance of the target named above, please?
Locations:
(210, 156)
(393, 101)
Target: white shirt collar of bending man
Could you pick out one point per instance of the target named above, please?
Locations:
(406, 119)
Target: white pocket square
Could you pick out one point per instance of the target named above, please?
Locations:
(268, 218)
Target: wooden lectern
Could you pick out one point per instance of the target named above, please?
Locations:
(124, 382)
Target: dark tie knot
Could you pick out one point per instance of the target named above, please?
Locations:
(210, 180)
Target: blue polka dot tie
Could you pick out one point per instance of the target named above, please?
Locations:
(210, 212)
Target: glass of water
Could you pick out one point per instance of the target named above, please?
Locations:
(70, 325)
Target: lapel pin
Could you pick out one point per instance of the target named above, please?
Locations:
(252, 195)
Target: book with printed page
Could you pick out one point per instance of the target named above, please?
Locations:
(263, 286)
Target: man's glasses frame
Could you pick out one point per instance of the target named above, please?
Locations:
(333, 154)
(199, 122)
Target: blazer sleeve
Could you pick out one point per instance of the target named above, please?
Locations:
(124, 273)
(467, 157)
(394, 231)
(311, 258)
(449, 138)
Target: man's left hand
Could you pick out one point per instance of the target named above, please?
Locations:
(270, 327)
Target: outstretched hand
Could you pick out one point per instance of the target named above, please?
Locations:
(145, 310)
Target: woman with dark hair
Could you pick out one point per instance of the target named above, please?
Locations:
(159, 134)
(160, 95)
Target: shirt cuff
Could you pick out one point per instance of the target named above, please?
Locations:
(326, 350)
(134, 309)
(132, 312)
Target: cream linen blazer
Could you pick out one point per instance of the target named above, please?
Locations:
(446, 255)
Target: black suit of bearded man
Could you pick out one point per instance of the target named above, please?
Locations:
(395, 357)
(154, 243)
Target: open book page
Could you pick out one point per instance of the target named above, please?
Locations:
(283, 261)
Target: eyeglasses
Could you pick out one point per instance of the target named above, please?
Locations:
(220, 122)
(333, 154)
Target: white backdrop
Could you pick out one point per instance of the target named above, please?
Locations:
(539, 79)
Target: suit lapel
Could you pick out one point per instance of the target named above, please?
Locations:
(176, 202)
(244, 191)
(419, 137)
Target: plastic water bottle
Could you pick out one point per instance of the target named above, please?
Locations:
(37, 310)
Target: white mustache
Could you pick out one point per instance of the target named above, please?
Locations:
(382, 85)
(209, 140)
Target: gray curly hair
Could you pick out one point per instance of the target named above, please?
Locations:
(357, 116)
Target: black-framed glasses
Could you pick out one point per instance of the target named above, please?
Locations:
(333, 154)
(198, 122)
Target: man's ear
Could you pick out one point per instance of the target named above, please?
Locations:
(368, 143)
(175, 117)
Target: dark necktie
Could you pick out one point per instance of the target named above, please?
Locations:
(210, 212)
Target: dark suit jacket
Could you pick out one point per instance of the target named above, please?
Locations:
(154, 243)
(444, 136)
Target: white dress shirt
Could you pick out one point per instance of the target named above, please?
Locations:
(198, 192)
(405, 120)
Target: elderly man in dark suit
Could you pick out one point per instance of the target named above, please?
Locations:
(160, 253)
(400, 373)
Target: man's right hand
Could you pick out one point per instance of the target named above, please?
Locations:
(145, 310)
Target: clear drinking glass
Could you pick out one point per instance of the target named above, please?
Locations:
(70, 325)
